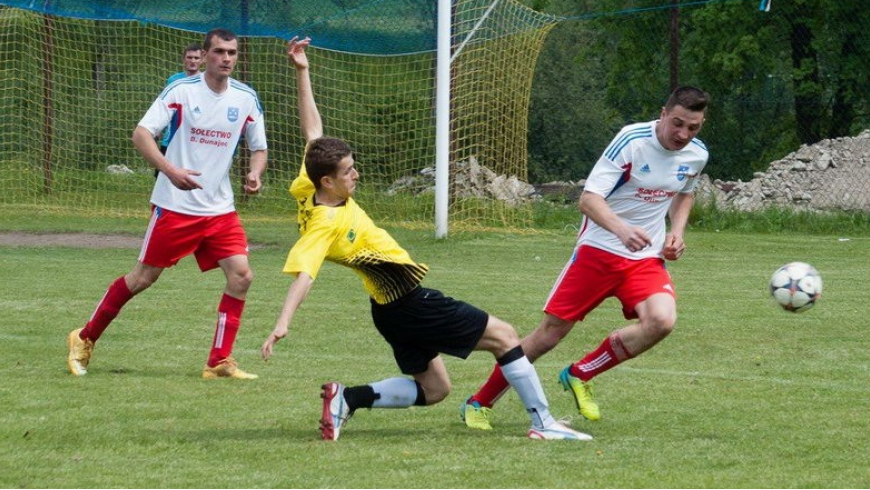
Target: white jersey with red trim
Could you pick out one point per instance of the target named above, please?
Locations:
(639, 178)
(206, 128)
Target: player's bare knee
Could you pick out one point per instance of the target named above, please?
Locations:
(241, 280)
(509, 337)
(660, 326)
(435, 394)
(501, 337)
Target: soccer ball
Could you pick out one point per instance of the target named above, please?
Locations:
(796, 286)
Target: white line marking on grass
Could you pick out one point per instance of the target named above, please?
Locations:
(816, 383)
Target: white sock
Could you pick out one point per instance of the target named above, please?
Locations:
(395, 393)
(523, 377)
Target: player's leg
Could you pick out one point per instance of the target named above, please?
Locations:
(549, 333)
(117, 295)
(657, 316)
(582, 285)
(647, 293)
(229, 318)
(501, 340)
(81, 341)
(225, 246)
(409, 328)
(339, 402)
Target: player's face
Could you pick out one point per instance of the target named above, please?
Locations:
(344, 179)
(678, 126)
(192, 60)
(221, 57)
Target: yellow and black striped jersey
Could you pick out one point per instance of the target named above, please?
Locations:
(347, 236)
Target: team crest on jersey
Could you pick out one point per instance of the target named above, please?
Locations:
(683, 173)
(351, 235)
(233, 114)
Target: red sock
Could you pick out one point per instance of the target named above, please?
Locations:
(107, 309)
(229, 319)
(492, 389)
(610, 353)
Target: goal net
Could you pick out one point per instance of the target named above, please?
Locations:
(75, 82)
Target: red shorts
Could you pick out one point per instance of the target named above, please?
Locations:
(172, 236)
(593, 275)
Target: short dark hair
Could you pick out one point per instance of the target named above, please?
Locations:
(691, 98)
(224, 34)
(192, 47)
(323, 156)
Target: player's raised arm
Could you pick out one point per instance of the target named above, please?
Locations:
(309, 116)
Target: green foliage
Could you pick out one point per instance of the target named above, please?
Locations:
(775, 220)
(565, 138)
(779, 79)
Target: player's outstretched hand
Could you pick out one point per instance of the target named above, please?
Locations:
(269, 344)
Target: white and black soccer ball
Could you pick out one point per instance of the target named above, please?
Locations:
(796, 286)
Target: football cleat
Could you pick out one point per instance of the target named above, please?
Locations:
(228, 368)
(475, 415)
(335, 411)
(558, 431)
(582, 391)
(79, 353)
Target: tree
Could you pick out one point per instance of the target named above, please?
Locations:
(570, 121)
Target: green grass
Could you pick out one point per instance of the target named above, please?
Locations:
(742, 395)
(776, 220)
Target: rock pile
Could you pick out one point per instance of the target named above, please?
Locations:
(832, 174)
(470, 179)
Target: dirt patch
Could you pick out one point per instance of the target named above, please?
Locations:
(76, 240)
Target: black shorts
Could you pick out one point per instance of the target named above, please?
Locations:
(423, 323)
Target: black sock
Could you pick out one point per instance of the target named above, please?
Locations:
(511, 356)
(360, 397)
(421, 396)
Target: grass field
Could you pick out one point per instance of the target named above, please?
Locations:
(742, 395)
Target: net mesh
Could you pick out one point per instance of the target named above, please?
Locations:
(76, 82)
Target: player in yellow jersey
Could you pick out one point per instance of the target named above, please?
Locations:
(417, 322)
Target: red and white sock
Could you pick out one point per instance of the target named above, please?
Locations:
(107, 309)
(494, 387)
(228, 322)
(609, 354)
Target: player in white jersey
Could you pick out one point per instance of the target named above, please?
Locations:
(193, 210)
(647, 173)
